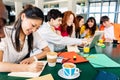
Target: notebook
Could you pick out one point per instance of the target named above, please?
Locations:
(28, 74)
(101, 61)
(44, 77)
(69, 57)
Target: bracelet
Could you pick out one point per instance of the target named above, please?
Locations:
(35, 58)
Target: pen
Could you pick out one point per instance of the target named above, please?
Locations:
(35, 58)
(65, 60)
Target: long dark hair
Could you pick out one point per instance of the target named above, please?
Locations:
(92, 29)
(77, 27)
(32, 13)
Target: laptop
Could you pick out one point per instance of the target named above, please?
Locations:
(96, 37)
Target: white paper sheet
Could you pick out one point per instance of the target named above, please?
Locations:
(59, 59)
(28, 74)
(72, 48)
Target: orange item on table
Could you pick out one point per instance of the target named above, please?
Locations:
(69, 57)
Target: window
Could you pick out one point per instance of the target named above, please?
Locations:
(119, 18)
(111, 16)
(104, 14)
(112, 6)
(54, 5)
(95, 7)
(98, 8)
(105, 7)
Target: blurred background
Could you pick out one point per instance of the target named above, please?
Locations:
(86, 8)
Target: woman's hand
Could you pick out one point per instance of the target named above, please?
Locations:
(35, 66)
(86, 31)
(27, 61)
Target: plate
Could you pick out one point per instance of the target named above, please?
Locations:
(60, 73)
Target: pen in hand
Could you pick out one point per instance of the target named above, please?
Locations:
(35, 59)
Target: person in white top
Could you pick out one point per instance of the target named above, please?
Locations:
(109, 32)
(21, 40)
(108, 28)
(46, 31)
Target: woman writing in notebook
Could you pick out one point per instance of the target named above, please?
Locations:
(21, 40)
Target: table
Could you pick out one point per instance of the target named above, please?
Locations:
(86, 68)
(112, 51)
(88, 71)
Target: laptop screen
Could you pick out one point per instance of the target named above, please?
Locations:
(96, 37)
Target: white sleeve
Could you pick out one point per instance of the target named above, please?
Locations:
(51, 37)
(39, 42)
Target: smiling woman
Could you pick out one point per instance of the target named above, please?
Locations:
(21, 40)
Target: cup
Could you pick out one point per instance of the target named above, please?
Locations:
(115, 41)
(51, 58)
(86, 49)
(99, 49)
(69, 69)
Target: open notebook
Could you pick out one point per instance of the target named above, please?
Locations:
(28, 74)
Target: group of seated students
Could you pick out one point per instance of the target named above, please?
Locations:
(74, 26)
(22, 43)
(30, 37)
